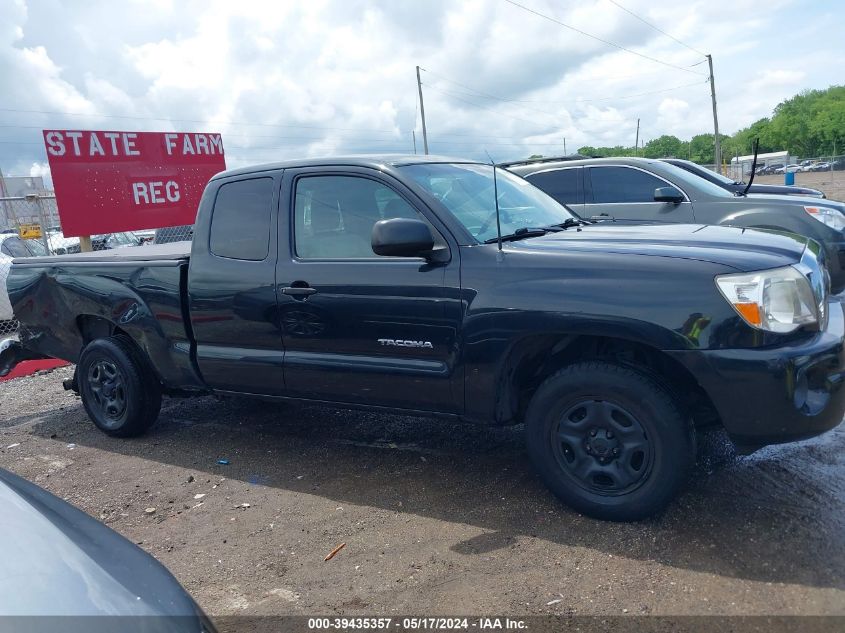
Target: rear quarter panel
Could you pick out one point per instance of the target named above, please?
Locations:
(144, 300)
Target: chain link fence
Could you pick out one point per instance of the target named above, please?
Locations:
(825, 173)
(30, 227)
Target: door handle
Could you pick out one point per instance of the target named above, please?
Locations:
(299, 291)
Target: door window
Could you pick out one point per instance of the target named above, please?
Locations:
(564, 185)
(623, 184)
(240, 221)
(334, 215)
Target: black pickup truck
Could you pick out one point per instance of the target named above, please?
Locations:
(383, 282)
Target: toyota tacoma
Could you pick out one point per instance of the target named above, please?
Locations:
(451, 288)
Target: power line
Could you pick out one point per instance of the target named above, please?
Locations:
(354, 143)
(282, 138)
(647, 23)
(458, 95)
(477, 105)
(485, 95)
(204, 121)
(599, 39)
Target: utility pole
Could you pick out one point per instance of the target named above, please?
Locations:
(718, 143)
(414, 137)
(422, 112)
(564, 147)
(637, 141)
(4, 221)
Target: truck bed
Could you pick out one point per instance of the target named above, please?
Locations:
(174, 251)
(139, 291)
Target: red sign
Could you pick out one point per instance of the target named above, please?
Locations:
(107, 182)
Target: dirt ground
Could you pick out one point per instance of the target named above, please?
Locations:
(437, 517)
(832, 183)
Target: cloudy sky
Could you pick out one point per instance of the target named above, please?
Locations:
(282, 79)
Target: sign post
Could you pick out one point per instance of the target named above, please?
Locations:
(107, 182)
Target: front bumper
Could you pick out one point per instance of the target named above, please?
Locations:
(774, 395)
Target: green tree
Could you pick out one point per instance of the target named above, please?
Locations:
(665, 146)
(810, 124)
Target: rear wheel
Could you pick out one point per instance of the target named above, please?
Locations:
(609, 440)
(119, 391)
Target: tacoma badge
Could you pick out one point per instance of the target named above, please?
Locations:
(391, 342)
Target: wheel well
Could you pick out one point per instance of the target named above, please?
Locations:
(93, 327)
(537, 357)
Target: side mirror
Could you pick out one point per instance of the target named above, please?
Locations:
(402, 237)
(668, 194)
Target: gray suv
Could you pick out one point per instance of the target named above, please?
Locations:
(644, 190)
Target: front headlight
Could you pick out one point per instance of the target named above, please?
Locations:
(828, 216)
(778, 300)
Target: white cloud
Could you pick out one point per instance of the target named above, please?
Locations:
(42, 170)
(284, 79)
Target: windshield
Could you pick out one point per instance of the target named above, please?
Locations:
(694, 181)
(37, 248)
(705, 173)
(466, 190)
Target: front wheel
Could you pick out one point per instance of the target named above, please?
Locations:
(609, 440)
(119, 391)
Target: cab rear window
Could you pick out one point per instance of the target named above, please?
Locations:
(240, 221)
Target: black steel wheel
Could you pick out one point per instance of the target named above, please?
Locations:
(609, 440)
(602, 447)
(119, 391)
(108, 390)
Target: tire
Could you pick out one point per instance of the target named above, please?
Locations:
(609, 440)
(119, 391)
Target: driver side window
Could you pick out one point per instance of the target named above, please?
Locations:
(334, 216)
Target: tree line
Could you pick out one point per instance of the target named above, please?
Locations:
(810, 124)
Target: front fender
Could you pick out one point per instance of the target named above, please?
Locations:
(660, 302)
(791, 220)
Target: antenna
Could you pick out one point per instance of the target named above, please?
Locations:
(753, 167)
(496, 199)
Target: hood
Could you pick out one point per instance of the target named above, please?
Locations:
(792, 200)
(738, 248)
(780, 190)
(58, 561)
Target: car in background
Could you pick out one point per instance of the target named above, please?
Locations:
(641, 190)
(61, 245)
(58, 562)
(822, 166)
(768, 170)
(145, 236)
(738, 187)
(11, 246)
(788, 169)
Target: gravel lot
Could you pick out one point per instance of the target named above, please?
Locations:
(832, 183)
(437, 518)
